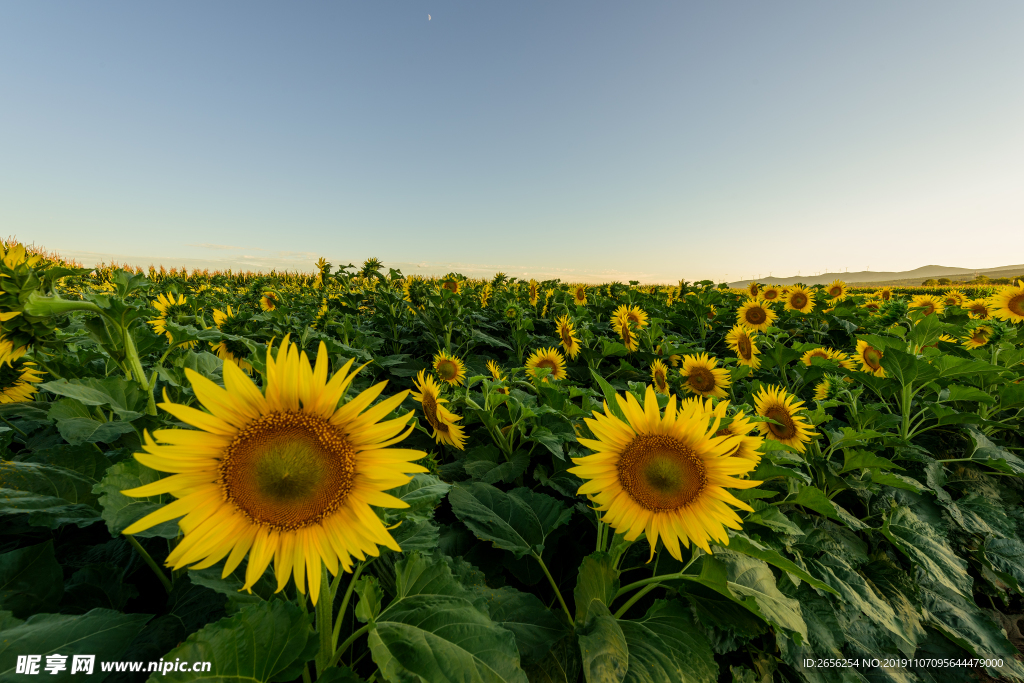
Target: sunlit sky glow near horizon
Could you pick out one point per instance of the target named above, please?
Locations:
(588, 141)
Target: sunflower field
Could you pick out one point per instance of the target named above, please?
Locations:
(360, 476)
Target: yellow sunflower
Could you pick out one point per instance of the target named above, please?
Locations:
(440, 419)
(170, 306)
(269, 301)
(978, 337)
(534, 292)
(659, 377)
(775, 403)
(753, 289)
(663, 474)
(634, 314)
(836, 290)
(871, 305)
(977, 309)
(229, 350)
(701, 376)
(870, 359)
(756, 315)
(626, 334)
(927, 303)
(800, 299)
(287, 474)
(673, 359)
(771, 293)
(829, 355)
(485, 295)
(449, 369)
(17, 377)
(451, 284)
(828, 387)
(742, 342)
(884, 293)
(497, 375)
(740, 426)
(1008, 303)
(579, 295)
(549, 358)
(953, 297)
(567, 336)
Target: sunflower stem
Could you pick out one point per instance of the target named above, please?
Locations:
(347, 644)
(632, 601)
(148, 559)
(554, 585)
(8, 423)
(324, 619)
(344, 601)
(306, 678)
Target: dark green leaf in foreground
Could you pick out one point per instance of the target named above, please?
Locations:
(101, 632)
(666, 646)
(739, 543)
(121, 511)
(517, 521)
(262, 642)
(31, 581)
(598, 579)
(929, 552)
(603, 646)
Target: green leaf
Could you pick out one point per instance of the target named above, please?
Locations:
(422, 494)
(990, 454)
(772, 518)
(612, 348)
(929, 552)
(422, 536)
(262, 642)
(121, 511)
(368, 590)
(898, 481)
(100, 632)
(517, 521)
(560, 665)
(815, 499)
(46, 511)
(957, 392)
(857, 459)
(479, 336)
(902, 366)
(535, 626)
(955, 366)
(45, 495)
(740, 543)
(79, 430)
(428, 630)
(598, 579)
(666, 646)
(115, 393)
(609, 395)
(603, 646)
(1006, 555)
(752, 579)
(31, 581)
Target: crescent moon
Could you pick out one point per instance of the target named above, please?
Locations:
(428, 17)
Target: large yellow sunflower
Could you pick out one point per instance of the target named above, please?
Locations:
(449, 369)
(870, 359)
(756, 315)
(799, 299)
(567, 336)
(579, 295)
(17, 377)
(927, 303)
(977, 309)
(702, 376)
(440, 419)
(771, 293)
(659, 376)
(836, 290)
(741, 340)
(634, 314)
(287, 474)
(1008, 303)
(663, 474)
(269, 301)
(977, 337)
(549, 358)
(775, 403)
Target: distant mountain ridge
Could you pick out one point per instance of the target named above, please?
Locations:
(869, 276)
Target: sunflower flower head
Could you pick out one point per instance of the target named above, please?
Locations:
(1008, 303)
(788, 426)
(287, 474)
(450, 369)
(756, 315)
(567, 336)
(548, 358)
(659, 376)
(870, 359)
(742, 342)
(799, 299)
(702, 376)
(440, 419)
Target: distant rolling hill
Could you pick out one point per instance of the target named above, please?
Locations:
(907, 277)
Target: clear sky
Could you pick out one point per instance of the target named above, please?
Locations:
(588, 140)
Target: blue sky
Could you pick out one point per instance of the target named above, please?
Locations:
(653, 141)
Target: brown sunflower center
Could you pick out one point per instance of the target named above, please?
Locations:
(660, 379)
(979, 309)
(786, 429)
(872, 357)
(835, 291)
(886, 296)
(661, 473)
(447, 369)
(429, 404)
(701, 379)
(451, 286)
(798, 300)
(756, 315)
(566, 336)
(743, 344)
(1016, 304)
(288, 470)
(770, 294)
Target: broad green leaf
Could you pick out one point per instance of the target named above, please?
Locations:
(1006, 556)
(31, 581)
(422, 536)
(826, 639)
(665, 645)
(957, 392)
(603, 647)
(114, 393)
(929, 552)
(753, 579)
(262, 642)
(993, 455)
(422, 494)
(773, 518)
(954, 366)
(560, 665)
(898, 481)
(740, 543)
(47, 480)
(121, 511)
(598, 579)
(100, 632)
(368, 590)
(902, 366)
(983, 514)
(857, 459)
(535, 626)
(79, 430)
(766, 470)
(815, 499)
(517, 521)
(45, 511)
